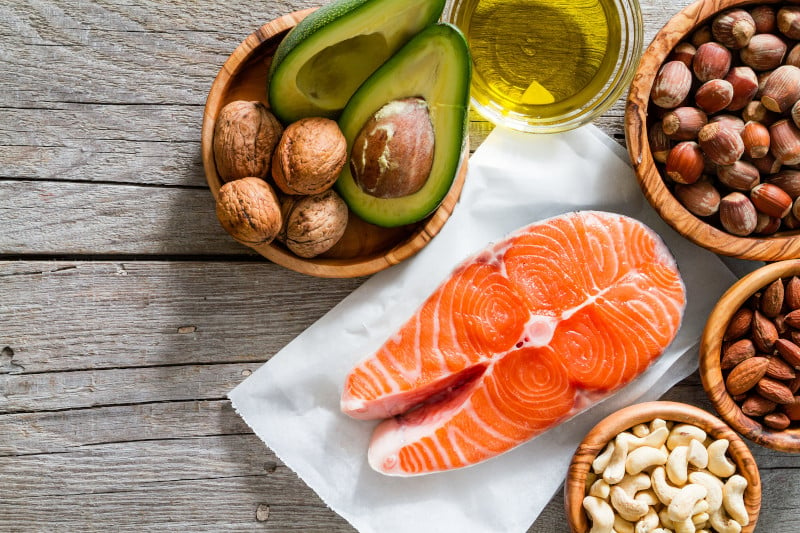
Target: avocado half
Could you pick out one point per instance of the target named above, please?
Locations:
(323, 60)
(434, 65)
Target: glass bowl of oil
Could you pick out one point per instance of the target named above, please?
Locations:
(545, 66)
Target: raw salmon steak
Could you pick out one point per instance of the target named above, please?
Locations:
(520, 337)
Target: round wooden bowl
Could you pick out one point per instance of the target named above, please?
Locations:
(365, 248)
(624, 419)
(784, 245)
(787, 440)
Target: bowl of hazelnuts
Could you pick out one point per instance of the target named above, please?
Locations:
(273, 180)
(713, 126)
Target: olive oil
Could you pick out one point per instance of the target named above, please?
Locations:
(536, 60)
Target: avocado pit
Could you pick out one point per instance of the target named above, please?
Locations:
(392, 155)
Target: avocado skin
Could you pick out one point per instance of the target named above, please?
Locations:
(322, 26)
(444, 84)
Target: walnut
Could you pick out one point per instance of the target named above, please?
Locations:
(249, 210)
(392, 155)
(245, 135)
(309, 156)
(313, 224)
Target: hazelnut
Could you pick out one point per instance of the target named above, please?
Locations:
(765, 19)
(313, 224)
(795, 112)
(745, 86)
(767, 164)
(765, 51)
(249, 210)
(785, 142)
(722, 145)
(685, 162)
(793, 57)
(766, 225)
(756, 139)
(700, 198)
(789, 21)
(733, 28)
(781, 89)
(245, 135)
(756, 112)
(310, 156)
(738, 214)
(683, 52)
(712, 61)
(683, 123)
(739, 176)
(771, 200)
(714, 95)
(672, 85)
(788, 181)
(659, 142)
(702, 35)
(729, 121)
(392, 155)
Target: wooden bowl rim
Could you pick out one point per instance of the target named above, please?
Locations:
(711, 351)
(597, 438)
(318, 266)
(781, 246)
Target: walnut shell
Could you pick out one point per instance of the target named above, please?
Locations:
(392, 155)
(245, 135)
(249, 210)
(313, 224)
(309, 156)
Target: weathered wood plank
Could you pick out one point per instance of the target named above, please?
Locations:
(90, 315)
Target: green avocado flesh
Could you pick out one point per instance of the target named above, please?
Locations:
(328, 55)
(434, 65)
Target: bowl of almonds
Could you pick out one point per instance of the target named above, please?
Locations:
(750, 356)
(713, 126)
(662, 466)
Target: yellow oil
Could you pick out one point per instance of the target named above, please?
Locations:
(538, 59)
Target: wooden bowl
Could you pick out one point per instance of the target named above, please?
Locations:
(365, 248)
(784, 245)
(624, 419)
(787, 440)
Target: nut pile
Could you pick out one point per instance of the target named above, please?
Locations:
(665, 476)
(726, 132)
(254, 155)
(761, 355)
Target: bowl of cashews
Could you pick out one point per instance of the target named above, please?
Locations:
(662, 466)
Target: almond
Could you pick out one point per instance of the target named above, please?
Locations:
(794, 385)
(737, 352)
(757, 405)
(740, 324)
(772, 298)
(792, 409)
(774, 390)
(764, 332)
(789, 351)
(792, 293)
(793, 318)
(778, 421)
(746, 375)
(780, 369)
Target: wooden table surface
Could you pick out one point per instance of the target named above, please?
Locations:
(126, 312)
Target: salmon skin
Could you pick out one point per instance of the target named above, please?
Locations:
(520, 337)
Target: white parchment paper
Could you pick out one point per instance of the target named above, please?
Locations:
(292, 402)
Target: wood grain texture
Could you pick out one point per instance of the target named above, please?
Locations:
(787, 440)
(127, 313)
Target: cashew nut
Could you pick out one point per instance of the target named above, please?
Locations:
(700, 507)
(718, 463)
(632, 484)
(678, 465)
(681, 506)
(733, 499)
(661, 530)
(681, 434)
(615, 469)
(601, 489)
(641, 430)
(664, 491)
(658, 423)
(601, 461)
(666, 521)
(626, 506)
(622, 526)
(648, 522)
(698, 454)
(713, 487)
(722, 523)
(643, 458)
(647, 496)
(600, 513)
(685, 526)
(700, 519)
